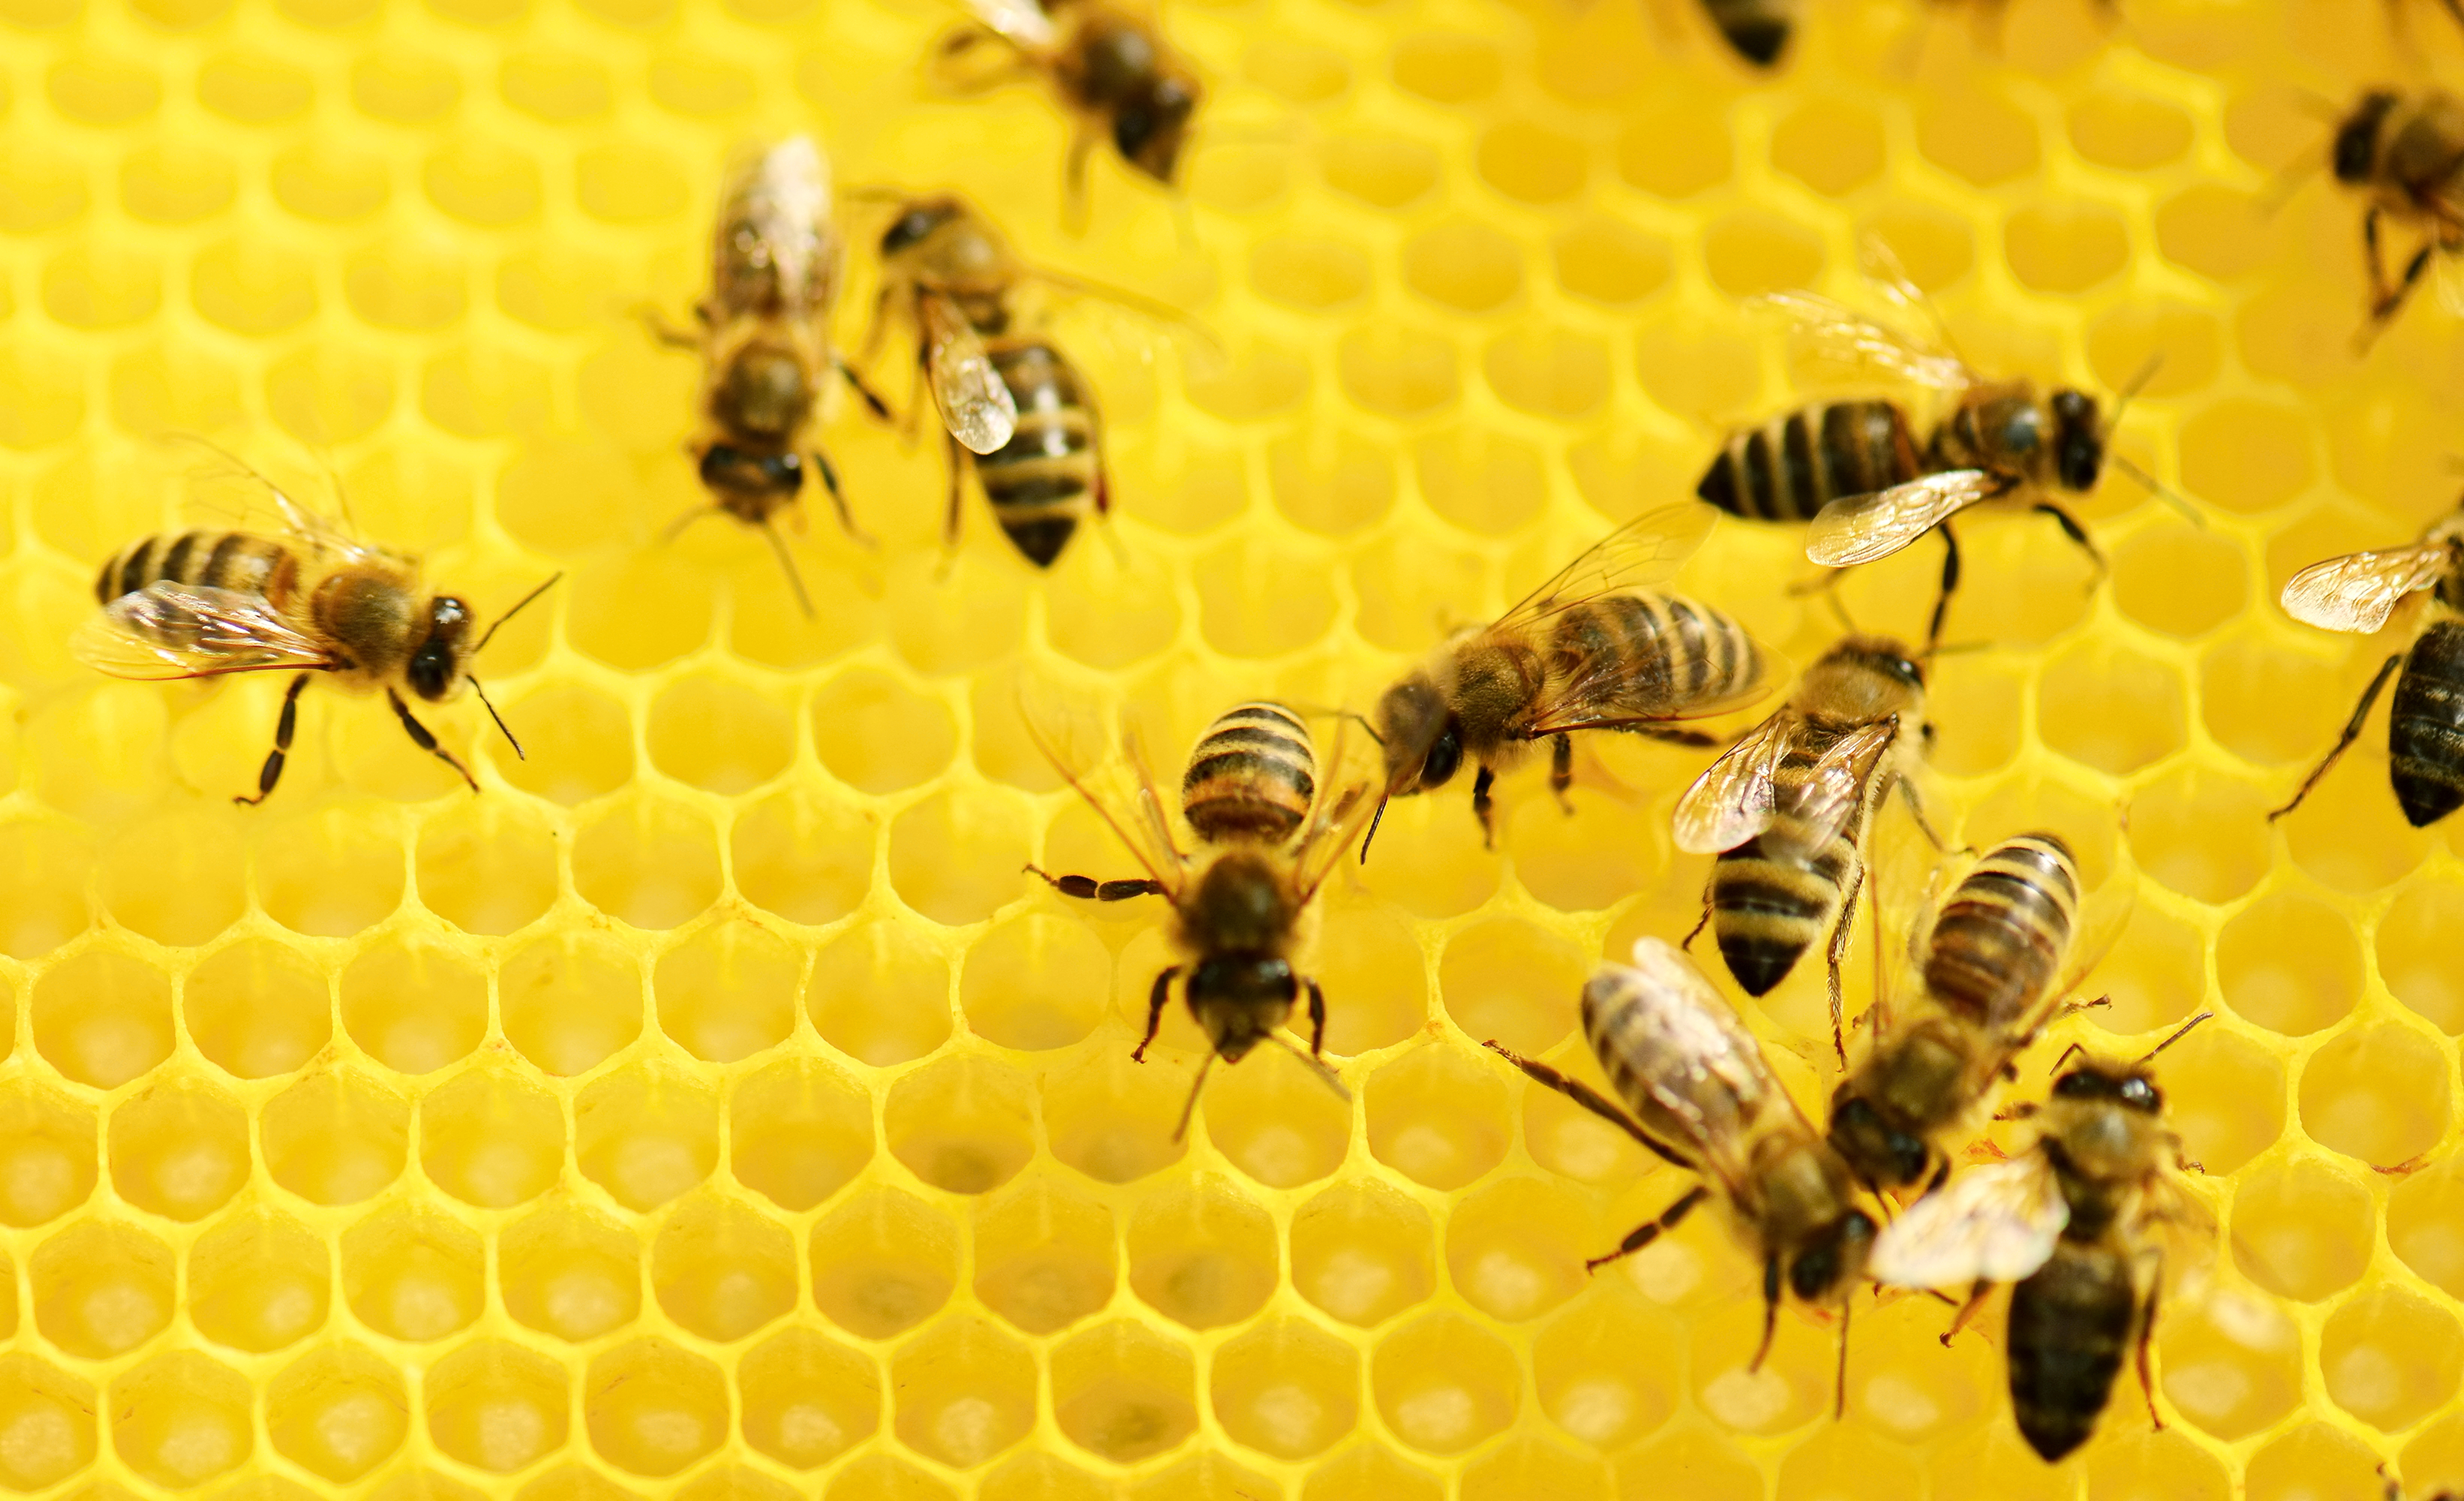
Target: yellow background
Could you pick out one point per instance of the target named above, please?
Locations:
(709, 1107)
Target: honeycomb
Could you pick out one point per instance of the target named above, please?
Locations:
(711, 1109)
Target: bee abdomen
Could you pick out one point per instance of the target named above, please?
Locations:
(1767, 909)
(241, 562)
(1757, 28)
(1039, 482)
(1664, 652)
(2426, 726)
(1252, 775)
(1999, 940)
(1790, 467)
(2070, 1322)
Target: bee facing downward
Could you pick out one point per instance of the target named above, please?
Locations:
(2407, 157)
(1589, 649)
(1242, 905)
(1787, 808)
(1857, 473)
(1704, 1099)
(1110, 66)
(764, 340)
(2426, 725)
(2073, 1222)
(1757, 30)
(312, 600)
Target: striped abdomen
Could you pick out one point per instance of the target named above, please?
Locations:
(1042, 480)
(240, 562)
(1999, 940)
(2070, 1322)
(1792, 467)
(1252, 775)
(1769, 901)
(1757, 28)
(2426, 726)
(1648, 655)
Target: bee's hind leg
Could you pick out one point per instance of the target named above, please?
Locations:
(1976, 1296)
(1156, 1000)
(1561, 770)
(1317, 1019)
(1087, 888)
(1590, 1099)
(421, 737)
(2344, 741)
(1949, 585)
(1839, 934)
(272, 772)
(1483, 807)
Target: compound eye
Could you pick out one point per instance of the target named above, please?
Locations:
(431, 672)
(783, 474)
(2140, 1094)
(1444, 758)
(2082, 462)
(1132, 129)
(912, 225)
(2353, 148)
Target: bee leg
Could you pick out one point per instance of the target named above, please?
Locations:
(1073, 180)
(863, 388)
(1949, 584)
(426, 742)
(1317, 1019)
(1561, 770)
(838, 501)
(1644, 1235)
(1916, 810)
(1156, 999)
(1976, 1296)
(1590, 1099)
(1086, 887)
(272, 772)
(950, 523)
(1770, 1311)
(1704, 921)
(1481, 806)
(2072, 529)
(1839, 936)
(2344, 742)
(2146, 1335)
(665, 334)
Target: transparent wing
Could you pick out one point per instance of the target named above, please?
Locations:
(1687, 1050)
(167, 631)
(1993, 1223)
(1820, 804)
(1856, 529)
(1619, 689)
(1732, 801)
(324, 535)
(2358, 591)
(1346, 801)
(774, 245)
(1822, 331)
(1022, 22)
(974, 401)
(1120, 788)
(1647, 550)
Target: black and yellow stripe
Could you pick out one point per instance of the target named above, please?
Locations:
(2426, 726)
(1252, 775)
(1042, 481)
(1664, 651)
(1999, 940)
(1769, 902)
(241, 562)
(1792, 467)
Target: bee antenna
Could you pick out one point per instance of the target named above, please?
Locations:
(490, 634)
(1181, 1131)
(519, 753)
(875, 193)
(1839, 1383)
(1316, 1064)
(1375, 820)
(2160, 490)
(794, 580)
(2179, 1033)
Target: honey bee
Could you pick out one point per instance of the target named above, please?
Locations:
(1590, 649)
(1011, 400)
(1994, 960)
(2073, 1223)
(1268, 835)
(764, 342)
(1705, 1098)
(2357, 593)
(1857, 473)
(1757, 30)
(312, 600)
(2407, 156)
(1787, 809)
(1114, 72)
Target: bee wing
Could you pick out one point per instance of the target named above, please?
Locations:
(1731, 802)
(974, 401)
(1022, 22)
(1633, 688)
(1689, 1052)
(1856, 529)
(1346, 801)
(774, 238)
(324, 535)
(1832, 788)
(2359, 590)
(1994, 1223)
(1648, 549)
(1824, 332)
(169, 631)
(1121, 789)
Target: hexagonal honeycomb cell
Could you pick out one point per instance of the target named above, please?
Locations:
(711, 1109)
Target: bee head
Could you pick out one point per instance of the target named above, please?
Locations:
(1882, 1154)
(2129, 1087)
(1831, 1260)
(917, 222)
(1240, 998)
(2357, 138)
(751, 485)
(436, 665)
(1884, 655)
(1423, 739)
(2079, 440)
(1153, 126)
